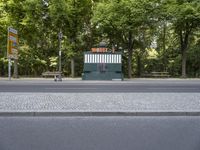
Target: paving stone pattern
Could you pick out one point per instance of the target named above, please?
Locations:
(99, 102)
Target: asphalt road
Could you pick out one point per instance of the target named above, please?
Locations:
(100, 133)
(134, 86)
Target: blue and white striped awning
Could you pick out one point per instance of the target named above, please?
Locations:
(103, 58)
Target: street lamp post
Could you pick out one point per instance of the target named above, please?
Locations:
(60, 35)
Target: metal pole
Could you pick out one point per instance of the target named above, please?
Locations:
(9, 69)
(60, 63)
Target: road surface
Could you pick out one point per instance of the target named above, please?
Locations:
(134, 86)
(100, 133)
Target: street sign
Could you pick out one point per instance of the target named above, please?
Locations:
(12, 46)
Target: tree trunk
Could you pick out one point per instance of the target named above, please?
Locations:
(184, 40)
(72, 68)
(164, 47)
(184, 37)
(2, 70)
(138, 66)
(15, 75)
(130, 54)
(184, 59)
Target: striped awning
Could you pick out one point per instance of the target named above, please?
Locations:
(103, 58)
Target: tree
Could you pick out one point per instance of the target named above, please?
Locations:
(73, 16)
(121, 21)
(186, 19)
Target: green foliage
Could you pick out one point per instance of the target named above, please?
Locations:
(172, 25)
(194, 61)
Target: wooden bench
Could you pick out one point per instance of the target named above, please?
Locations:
(160, 74)
(56, 75)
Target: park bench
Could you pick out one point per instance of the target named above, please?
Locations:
(160, 74)
(52, 74)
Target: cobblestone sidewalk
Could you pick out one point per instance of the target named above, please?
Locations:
(99, 102)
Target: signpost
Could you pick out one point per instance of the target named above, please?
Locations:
(12, 47)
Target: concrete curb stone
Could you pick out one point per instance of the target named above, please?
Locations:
(95, 113)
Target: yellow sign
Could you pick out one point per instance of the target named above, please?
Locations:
(12, 47)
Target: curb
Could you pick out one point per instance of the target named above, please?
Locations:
(96, 113)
